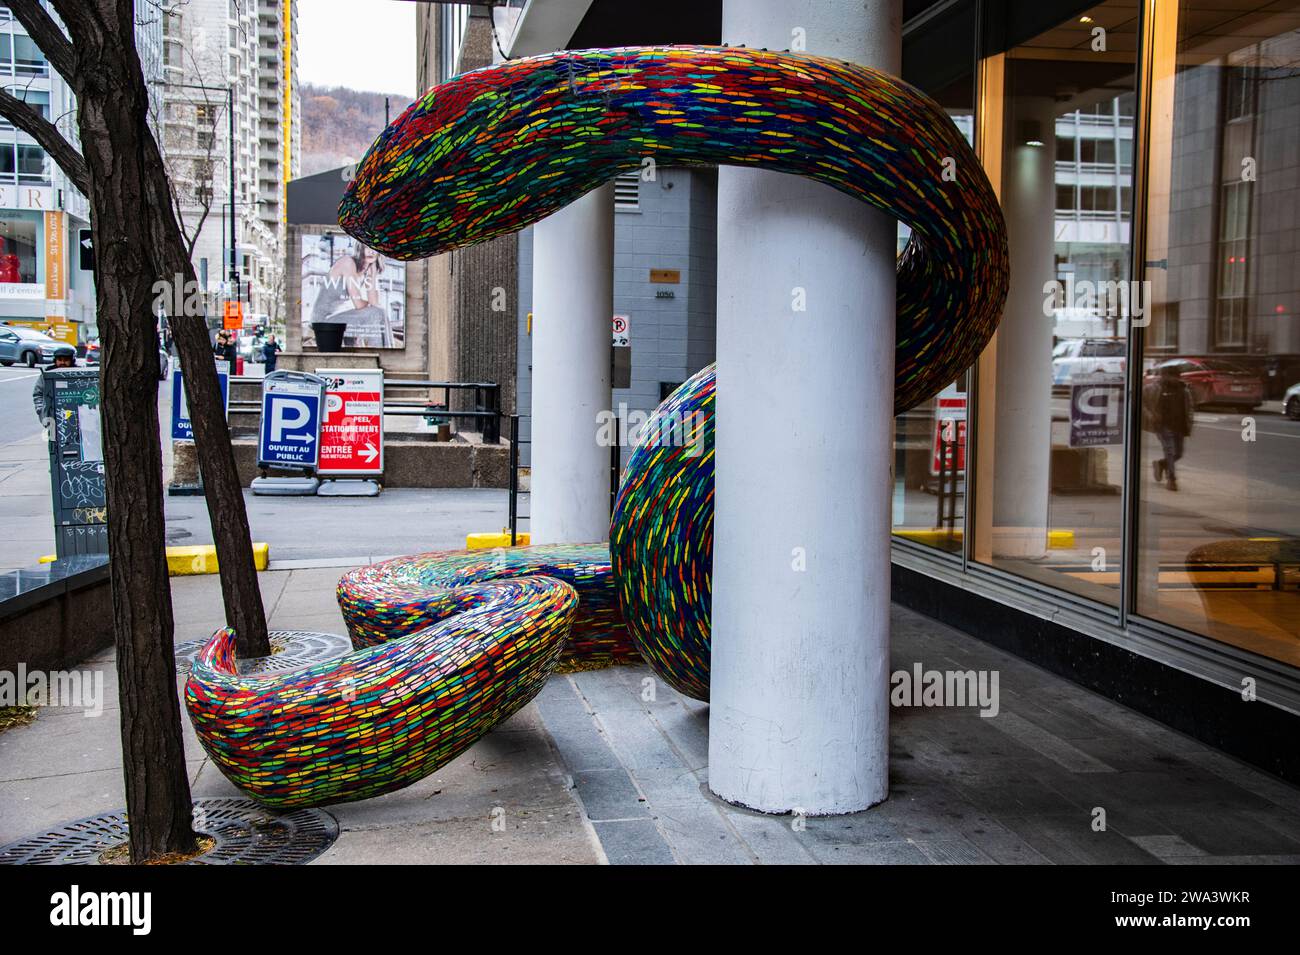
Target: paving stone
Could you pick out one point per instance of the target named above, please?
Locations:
(858, 828)
(604, 691)
(953, 852)
(633, 842)
(580, 741)
(1004, 846)
(1283, 821)
(1048, 744)
(770, 838)
(1166, 847)
(1229, 833)
(638, 741)
(871, 853)
(30, 806)
(698, 834)
(686, 728)
(672, 786)
(1180, 787)
(1070, 840)
(608, 794)
(526, 839)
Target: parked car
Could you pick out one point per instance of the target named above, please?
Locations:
(1291, 402)
(1086, 356)
(250, 346)
(26, 346)
(1214, 381)
(164, 360)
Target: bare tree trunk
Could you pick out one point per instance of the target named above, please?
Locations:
(112, 117)
(221, 486)
(138, 241)
(106, 22)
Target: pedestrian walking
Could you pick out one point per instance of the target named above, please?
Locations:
(270, 348)
(1167, 407)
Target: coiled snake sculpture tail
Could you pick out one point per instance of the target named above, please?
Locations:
(497, 149)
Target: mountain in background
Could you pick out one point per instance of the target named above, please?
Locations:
(339, 124)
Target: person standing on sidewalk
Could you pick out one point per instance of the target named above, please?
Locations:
(270, 348)
(1167, 408)
(64, 357)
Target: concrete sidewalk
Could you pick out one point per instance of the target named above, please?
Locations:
(65, 766)
(612, 765)
(25, 511)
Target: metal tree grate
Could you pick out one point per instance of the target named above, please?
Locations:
(243, 833)
(290, 649)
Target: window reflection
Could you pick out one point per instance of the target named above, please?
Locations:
(929, 501)
(1218, 517)
(1052, 454)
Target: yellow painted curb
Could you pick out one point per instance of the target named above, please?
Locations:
(1060, 540)
(47, 559)
(1056, 540)
(202, 559)
(489, 540)
(931, 537)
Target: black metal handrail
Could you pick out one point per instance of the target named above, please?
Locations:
(514, 480)
(487, 402)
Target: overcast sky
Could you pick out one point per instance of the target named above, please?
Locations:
(361, 44)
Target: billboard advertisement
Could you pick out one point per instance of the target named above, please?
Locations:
(346, 283)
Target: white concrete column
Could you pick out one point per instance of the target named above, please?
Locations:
(573, 302)
(799, 716)
(1023, 438)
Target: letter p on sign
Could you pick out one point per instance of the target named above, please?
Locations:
(287, 414)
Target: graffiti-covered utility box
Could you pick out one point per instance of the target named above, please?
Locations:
(76, 461)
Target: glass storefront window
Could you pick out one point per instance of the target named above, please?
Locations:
(1218, 547)
(1050, 449)
(929, 501)
(20, 240)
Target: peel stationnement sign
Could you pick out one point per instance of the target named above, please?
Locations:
(352, 428)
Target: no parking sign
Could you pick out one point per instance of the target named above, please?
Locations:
(292, 402)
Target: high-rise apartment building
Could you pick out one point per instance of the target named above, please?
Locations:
(219, 55)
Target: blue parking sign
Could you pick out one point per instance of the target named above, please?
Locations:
(182, 427)
(1096, 410)
(291, 419)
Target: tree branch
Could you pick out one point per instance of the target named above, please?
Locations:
(47, 134)
(47, 35)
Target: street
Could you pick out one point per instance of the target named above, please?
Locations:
(1227, 487)
(399, 521)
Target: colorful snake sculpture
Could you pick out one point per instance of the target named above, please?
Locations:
(497, 149)
(384, 716)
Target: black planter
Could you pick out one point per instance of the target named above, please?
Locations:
(329, 335)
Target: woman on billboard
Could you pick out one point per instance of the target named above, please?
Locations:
(349, 296)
